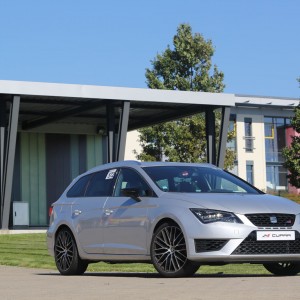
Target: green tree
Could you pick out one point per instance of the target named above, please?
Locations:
(186, 67)
(292, 153)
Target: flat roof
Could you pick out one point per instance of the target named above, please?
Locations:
(265, 101)
(113, 93)
(48, 103)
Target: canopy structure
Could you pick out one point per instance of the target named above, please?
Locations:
(109, 111)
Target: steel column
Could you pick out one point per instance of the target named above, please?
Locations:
(111, 152)
(2, 143)
(123, 126)
(210, 135)
(9, 160)
(223, 136)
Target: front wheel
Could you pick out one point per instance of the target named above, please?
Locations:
(283, 268)
(169, 254)
(66, 255)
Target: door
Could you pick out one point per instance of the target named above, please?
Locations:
(125, 219)
(87, 211)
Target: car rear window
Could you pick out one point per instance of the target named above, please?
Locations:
(78, 189)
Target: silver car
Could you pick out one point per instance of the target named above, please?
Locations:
(176, 216)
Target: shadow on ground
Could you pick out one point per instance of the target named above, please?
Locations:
(155, 275)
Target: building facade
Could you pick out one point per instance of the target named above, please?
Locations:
(261, 130)
(261, 127)
(45, 164)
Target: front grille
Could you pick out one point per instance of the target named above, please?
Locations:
(209, 245)
(250, 246)
(272, 220)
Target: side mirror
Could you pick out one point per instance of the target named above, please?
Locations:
(131, 192)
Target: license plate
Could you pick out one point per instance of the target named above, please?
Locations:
(275, 235)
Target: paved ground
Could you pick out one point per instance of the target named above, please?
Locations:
(22, 231)
(20, 283)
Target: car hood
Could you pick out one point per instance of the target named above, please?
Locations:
(238, 203)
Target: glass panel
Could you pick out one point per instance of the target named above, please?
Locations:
(248, 144)
(131, 179)
(270, 178)
(187, 179)
(78, 189)
(282, 176)
(248, 127)
(275, 138)
(268, 120)
(248, 135)
(249, 171)
(279, 121)
(232, 128)
(269, 130)
(101, 184)
(276, 177)
(281, 137)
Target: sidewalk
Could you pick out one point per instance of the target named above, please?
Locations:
(22, 231)
(34, 284)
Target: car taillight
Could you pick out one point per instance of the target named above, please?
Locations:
(51, 215)
(50, 211)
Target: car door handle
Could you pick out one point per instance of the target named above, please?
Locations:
(108, 212)
(77, 212)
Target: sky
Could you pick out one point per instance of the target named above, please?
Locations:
(111, 43)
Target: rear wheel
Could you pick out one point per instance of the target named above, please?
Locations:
(169, 254)
(283, 268)
(66, 255)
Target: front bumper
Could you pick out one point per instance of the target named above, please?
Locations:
(246, 250)
(230, 243)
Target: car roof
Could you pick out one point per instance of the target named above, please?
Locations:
(134, 164)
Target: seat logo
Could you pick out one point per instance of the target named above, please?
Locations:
(273, 220)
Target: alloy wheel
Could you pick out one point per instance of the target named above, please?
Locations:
(283, 268)
(169, 249)
(64, 250)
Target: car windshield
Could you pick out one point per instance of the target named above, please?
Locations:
(193, 179)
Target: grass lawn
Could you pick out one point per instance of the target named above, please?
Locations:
(29, 250)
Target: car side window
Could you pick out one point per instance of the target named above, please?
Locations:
(101, 184)
(78, 189)
(129, 178)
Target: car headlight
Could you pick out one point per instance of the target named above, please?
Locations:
(210, 216)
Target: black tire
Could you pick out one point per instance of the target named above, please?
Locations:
(168, 252)
(283, 268)
(66, 255)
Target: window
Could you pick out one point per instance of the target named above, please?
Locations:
(269, 131)
(232, 129)
(185, 179)
(78, 189)
(249, 171)
(276, 177)
(129, 178)
(248, 135)
(101, 184)
(275, 138)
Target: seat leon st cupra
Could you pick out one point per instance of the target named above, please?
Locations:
(177, 216)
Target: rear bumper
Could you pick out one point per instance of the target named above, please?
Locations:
(50, 242)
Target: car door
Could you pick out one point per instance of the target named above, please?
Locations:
(125, 219)
(87, 211)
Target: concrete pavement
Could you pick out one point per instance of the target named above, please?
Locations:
(21, 283)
